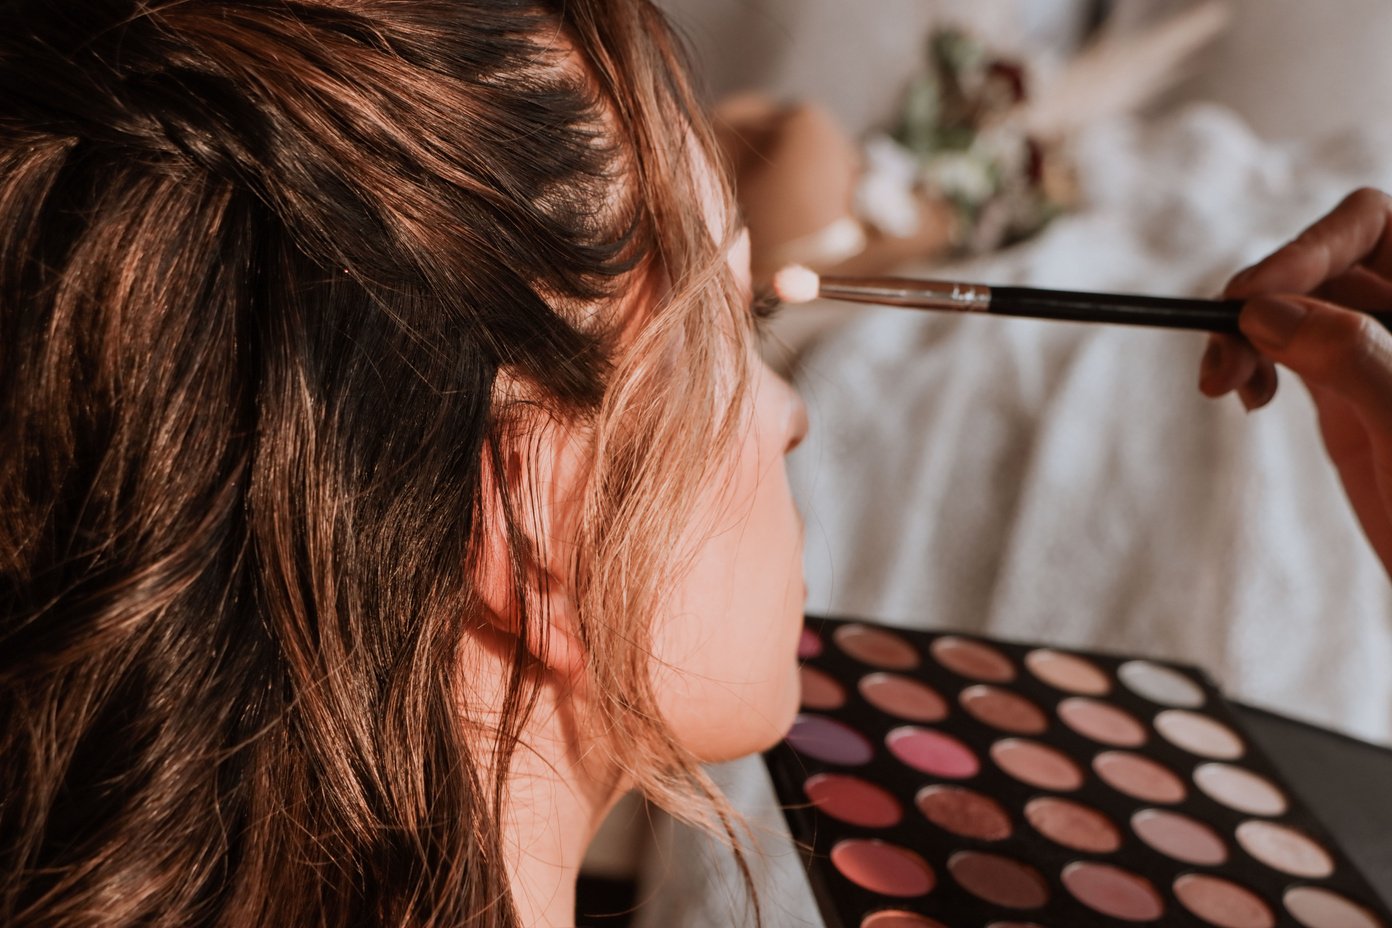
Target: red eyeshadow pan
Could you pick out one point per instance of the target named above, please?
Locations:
(853, 800)
(883, 868)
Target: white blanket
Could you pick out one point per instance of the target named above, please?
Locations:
(1067, 484)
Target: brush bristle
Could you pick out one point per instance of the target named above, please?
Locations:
(797, 284)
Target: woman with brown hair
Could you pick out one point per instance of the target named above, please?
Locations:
(388, 480)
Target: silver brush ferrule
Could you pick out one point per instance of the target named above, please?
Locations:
(898, 291)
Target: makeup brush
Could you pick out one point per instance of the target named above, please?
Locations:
(797, 284)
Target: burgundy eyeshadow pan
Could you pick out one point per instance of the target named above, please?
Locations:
(1003, 709)
(940, 780)
(964, 812)
(820, 690)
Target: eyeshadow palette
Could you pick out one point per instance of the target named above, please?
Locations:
(951, 781)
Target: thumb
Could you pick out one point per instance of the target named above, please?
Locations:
(1344, 351)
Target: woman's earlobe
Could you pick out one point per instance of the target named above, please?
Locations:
(523, 597)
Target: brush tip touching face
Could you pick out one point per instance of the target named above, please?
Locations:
(796, 284)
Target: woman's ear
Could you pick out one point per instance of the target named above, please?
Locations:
(532, 485)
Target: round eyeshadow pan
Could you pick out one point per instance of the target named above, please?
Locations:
(932, 752)
(853, 800)
(1102, 722)
(1073, 825)
(1036, 764)
(1180, 837)
(1240, 789)
(1003, 710)
(820, 690)
(964, 812)
(1068, 672)
(999, 880)
(894, 918)
(1139, 777)
(809, 645)
(1314, 907)
(973, 659)
(883, 868)
(904, 697)
(1162, 685)
(828, 740)
(1199, 734)
(1113, 891)
(878, 647)
(1283, 848)
(1222, 902)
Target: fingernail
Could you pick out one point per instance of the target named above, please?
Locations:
(1272, 322)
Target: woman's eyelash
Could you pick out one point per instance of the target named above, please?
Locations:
(765, 305)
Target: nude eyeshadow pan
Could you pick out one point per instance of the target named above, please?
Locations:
(946, 780)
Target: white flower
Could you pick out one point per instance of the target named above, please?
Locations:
(959, 176)
(884, 195)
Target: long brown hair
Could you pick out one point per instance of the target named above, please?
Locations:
(261, 264)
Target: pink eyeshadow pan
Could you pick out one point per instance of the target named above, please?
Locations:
(1222, 902)
(1315, 907)
(904, 697)
(1180, 837)
(1073, 825)
(853, 800)
(1102, 722)
(1036, 764)
(1068, 672)
(1285, 849)
(1199, 734)
(876, 646)
(1113, 891)
(883, 868)
(1139, 777)
(973, 659)
(820, 690)
(809, 645)
(932, 752)
(1004, 710)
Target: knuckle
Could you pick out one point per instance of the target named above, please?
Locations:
(1347, 346)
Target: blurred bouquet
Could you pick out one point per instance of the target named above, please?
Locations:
(960, 139)
(976, 159)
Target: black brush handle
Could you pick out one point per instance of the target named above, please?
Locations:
(1120, 308)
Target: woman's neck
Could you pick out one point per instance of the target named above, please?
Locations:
(559, 787)
(554, 809)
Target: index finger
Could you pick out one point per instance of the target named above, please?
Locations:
(1357, 231)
